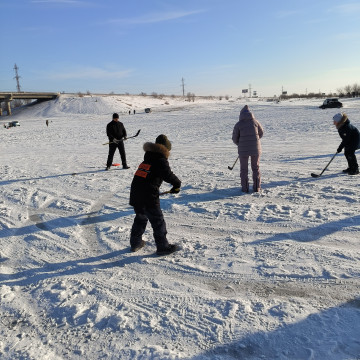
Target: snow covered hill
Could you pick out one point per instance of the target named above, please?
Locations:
(269, 275)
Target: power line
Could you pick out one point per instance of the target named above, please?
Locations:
(183, 86)
(17, 77)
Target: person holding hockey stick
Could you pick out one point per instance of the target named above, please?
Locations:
(350, 136)
(116, 133)
(246, 135)
(144, 195)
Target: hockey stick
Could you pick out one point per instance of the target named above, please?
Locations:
(169, 192)
(231, 167)
(130, 137)
(318, 175)
(138, 132)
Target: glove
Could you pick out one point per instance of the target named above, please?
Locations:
(339, 150)
(174, 190)
(115, 141)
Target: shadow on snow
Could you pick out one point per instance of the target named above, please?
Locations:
(313, 234)
(72, 267)
(7, 182)
(330, 334)
(64, 222)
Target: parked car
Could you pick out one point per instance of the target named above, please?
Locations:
(331, 103)
(11, 124)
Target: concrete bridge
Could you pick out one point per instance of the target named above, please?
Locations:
(7, 97)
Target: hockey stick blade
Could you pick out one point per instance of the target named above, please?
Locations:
(231, 167)
(134, 135)
(316, 175)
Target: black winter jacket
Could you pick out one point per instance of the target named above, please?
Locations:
(115, 130)
(149, 176)
(350, 136)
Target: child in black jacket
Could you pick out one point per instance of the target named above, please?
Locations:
(144, 195)
(350, 141)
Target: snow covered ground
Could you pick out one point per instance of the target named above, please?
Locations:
(269, 275)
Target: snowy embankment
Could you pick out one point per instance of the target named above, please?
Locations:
(269, 275)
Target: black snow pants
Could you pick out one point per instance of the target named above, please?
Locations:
(112, 149)
(351, 159)
(153, 214)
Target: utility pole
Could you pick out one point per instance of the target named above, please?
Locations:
(183, 86)
(17, 77)
(250, 89)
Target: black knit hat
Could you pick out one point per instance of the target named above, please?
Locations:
(115, 116)
(163, 140)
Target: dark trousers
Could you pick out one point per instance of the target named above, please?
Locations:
(244, 178)
(155, 216)
(112, 149)
(351, 159)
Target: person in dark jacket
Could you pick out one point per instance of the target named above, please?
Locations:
(144, 195)
(116, 133)
(350, 136)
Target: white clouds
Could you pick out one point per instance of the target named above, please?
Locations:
(286, 13)
(348, 36)
(156, 17)
(349, 8)
(61, 2)
(88, 73)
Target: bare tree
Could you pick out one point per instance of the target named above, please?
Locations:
(190, 96)
(340, 91)
(347, 90)
(356, 89)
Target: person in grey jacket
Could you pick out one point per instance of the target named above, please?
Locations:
(246, 135)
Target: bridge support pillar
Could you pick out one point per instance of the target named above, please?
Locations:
(8, 107)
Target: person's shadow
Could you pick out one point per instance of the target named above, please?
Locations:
(72, 267)
(7, 182)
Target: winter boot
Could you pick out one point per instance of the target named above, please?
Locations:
(354, 172)
(138, 247)
(346, 171)
(168, 250)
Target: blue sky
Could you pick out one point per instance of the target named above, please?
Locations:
(218, 47)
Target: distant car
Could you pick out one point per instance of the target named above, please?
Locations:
(331, 103)
(11, 124)
(147, 110)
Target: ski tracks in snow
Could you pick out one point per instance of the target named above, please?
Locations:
(259, 275)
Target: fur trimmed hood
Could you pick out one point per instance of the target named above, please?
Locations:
(342, 121)
(157, 148)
